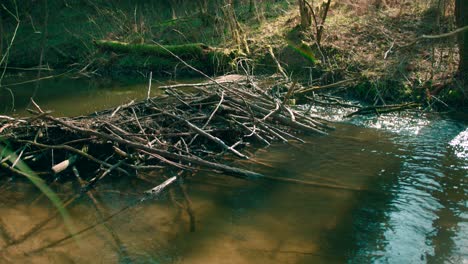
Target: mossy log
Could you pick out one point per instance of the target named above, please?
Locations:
(198, 50)
(129, 57)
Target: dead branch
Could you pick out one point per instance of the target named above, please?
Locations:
(383, 109)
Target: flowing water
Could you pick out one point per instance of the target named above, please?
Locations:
(405, 202)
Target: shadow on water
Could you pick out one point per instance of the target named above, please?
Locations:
(238, 221)
(282, 223)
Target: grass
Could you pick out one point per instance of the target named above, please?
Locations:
(23, 169)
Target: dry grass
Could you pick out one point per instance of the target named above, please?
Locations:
(377, 44)
(371, 41)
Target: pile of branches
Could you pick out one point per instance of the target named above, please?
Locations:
(186, 130)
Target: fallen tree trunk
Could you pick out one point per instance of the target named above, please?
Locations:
(343, 83)
(184, 51)
(121, 56)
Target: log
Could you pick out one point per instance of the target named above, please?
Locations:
(383, 109)
(325, 87)
(184, 51)
(64, 164)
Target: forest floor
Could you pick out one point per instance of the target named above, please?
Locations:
(376, 47)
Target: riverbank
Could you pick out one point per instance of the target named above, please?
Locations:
(371, 49)
(378, 50)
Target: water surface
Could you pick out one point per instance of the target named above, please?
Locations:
(406, 198)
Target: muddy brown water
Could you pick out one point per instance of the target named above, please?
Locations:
(411, 170)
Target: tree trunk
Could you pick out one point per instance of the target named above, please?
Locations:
(306, 17)
(326, 8)
(1, 36)
(173, 5)
(203, 6)
(230, 15)
(461, 13)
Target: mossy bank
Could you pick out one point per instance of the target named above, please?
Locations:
(371, 44)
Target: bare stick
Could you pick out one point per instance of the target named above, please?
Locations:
(290, 92)
(313, 184)
(71, 149)
(445, 35)
(64, 164)
(192, 159)
(328, 86)
(190, 66)
(215, 139)
(141, 128)
(211, 116)
(272, 112)
(214, 111)
(94, 180)
(278, 65)
(252, 132)
(36, 106)
(158, 189)
(4, 59)
(149, 86)
(208, 135)
(284, 119)
(192, 85)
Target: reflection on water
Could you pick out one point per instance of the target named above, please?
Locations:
(67, 97)
(411, 209)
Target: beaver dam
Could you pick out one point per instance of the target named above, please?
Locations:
(194, 127)
(185, 130)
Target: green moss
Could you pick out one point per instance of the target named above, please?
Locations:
(119, 56)
(192, 50)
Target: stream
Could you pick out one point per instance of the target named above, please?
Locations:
(406, 201)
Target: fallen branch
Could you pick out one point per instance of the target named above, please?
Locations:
(383, 109)
(328, 86)
(446, 35)
(278, 65)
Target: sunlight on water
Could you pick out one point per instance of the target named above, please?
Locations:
(407, 122)
(460, 144)
(404, 123)
(424, 220)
